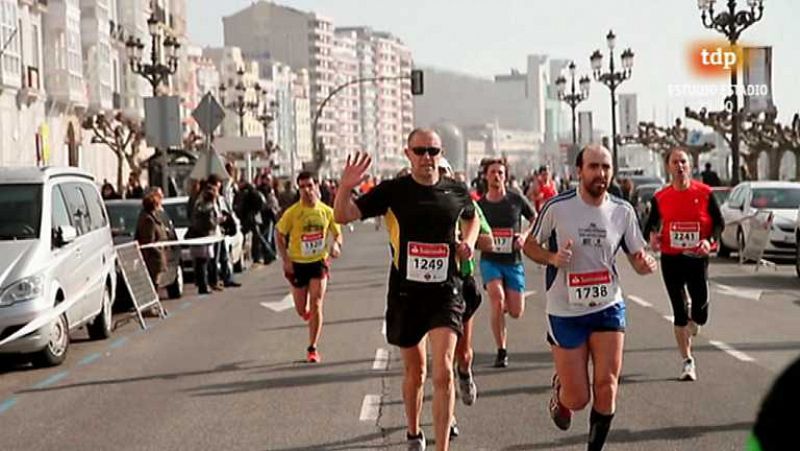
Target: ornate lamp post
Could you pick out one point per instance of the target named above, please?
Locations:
(573, 98)
(731, 24)
(612, 79)
(241, 105)
(155, 71)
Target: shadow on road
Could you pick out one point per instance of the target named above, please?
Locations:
(352, 443)
(627, 436)
(327, 323)
(762, 280)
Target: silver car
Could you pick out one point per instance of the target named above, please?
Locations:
(55, 247)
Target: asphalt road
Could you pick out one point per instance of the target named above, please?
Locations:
(227, 372)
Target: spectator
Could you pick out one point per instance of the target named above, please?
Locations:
(710, 177)
(152, 228)
(135, 190)
(205, 216)
(108, 192)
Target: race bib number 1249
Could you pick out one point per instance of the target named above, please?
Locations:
(427, 262)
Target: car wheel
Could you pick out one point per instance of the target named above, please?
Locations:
(175, 290)
(724, 251)
(100, 327)
(56, 350)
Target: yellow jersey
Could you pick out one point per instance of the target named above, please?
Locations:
(307, 229)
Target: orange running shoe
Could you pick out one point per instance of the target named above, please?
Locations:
(313, 356)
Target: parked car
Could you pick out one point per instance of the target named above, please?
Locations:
(748, 198)
(640, 199)
(124, 215)
(178, 209)
(56, 247)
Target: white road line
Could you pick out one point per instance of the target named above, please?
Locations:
(731, 351)
(284, 304)
(383, 328)
(669, 318)
(381, 360)
(370, 408)
(528, 293)
(640, 301)
(744, 293)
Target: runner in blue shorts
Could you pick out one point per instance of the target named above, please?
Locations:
(583, 229)
(502, 269)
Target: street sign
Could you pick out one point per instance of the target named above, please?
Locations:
(162, 121)
(137, 279)
(202, 168)
(209, 114)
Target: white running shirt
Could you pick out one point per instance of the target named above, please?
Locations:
(597, 233)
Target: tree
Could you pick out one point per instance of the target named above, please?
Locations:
(120, 134)
(661, 139)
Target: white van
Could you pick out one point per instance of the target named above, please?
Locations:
(55, 246)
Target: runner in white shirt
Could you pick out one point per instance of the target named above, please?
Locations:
(583, 229)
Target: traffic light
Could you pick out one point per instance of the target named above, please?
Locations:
(417, 85)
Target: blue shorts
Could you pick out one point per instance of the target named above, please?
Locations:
(512, 274)
(570, 332)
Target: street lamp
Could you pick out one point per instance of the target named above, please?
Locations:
(731, 24)
(241, 105)
(612, 79)
(156, 71)
(573, 98)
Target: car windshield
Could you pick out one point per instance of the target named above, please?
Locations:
(778, 198)
(22, 211)
(179, 214)
(123, 218)
(721, 195)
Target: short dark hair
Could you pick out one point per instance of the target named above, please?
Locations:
(306, 175)
(486, 162)
(672, 150)
(213, 179)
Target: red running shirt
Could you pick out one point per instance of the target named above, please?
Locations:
(684, 216)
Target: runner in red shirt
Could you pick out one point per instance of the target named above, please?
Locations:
(544, 188)
(683, 222)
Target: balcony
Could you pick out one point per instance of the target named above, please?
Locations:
(31, 89)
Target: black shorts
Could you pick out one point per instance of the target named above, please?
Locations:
(412, 311)
(304, 272)
(472, 296)
(683, 273)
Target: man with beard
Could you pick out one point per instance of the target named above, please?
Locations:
(583, 229)
(501, 269)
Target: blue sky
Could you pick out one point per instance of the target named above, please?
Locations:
(485, 38)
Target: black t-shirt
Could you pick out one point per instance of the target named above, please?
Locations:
(505, 218)
(421, 221)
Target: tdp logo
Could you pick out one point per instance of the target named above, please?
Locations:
(718, 57)
(714, 59)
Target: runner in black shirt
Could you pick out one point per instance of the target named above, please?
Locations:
(421, 212)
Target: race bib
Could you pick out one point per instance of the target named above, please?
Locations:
(591, 289)
(426, 262)
(684, 235)
(312, 244)
(503, 241)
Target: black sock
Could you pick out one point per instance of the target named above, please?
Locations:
(412, 437)
(599, 425)
(462, 374)
(501, 352)
(311, 348)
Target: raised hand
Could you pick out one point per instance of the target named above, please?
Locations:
(354, 170)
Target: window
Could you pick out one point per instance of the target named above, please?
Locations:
(778, 198)
(78, 210)
(96, 212)
(9, 33)
(60, 213)
(21, 207)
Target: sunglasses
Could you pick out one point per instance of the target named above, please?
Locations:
(431, 151)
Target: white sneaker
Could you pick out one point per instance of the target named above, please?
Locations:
(689, 372)
(416, 443)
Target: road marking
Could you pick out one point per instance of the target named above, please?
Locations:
(669, 318)
(89, 359)
(640, 301)
(744, 293)
(284, 304)
(731, 351)
(7, 404)
(529, 293)
(370, 408)
(381, 360)
(119, 342)
(383, 328)
(51, 380)
(186, 305)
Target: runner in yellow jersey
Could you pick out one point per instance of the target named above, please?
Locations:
(303, 244)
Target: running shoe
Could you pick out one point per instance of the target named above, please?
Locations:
(454, 432)
(689, 372)
(501, 361)
(562, 417)
(467, 388)
(313, 356)
(416, 443)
